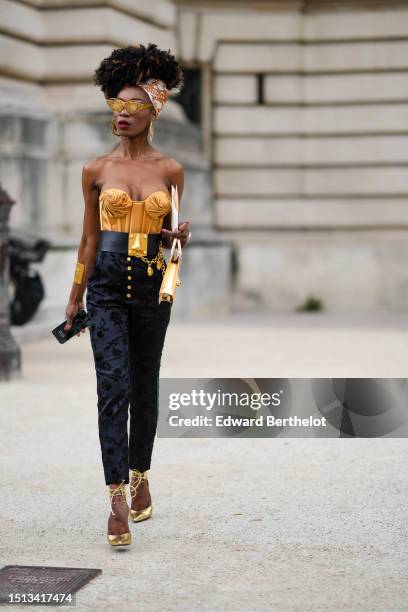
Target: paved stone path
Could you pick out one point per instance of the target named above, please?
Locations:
(239, 524)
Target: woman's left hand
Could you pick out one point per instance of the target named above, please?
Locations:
(183, 234)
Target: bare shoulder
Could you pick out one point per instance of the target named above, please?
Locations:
(174, 165)
(91, 166)
(175, 174)
(174, 168)
(91, 169)
(94, 164)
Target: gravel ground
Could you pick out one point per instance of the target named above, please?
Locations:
(238, 524)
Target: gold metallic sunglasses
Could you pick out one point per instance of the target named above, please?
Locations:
(132, 106)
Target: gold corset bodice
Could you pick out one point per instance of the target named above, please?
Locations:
(119, 213)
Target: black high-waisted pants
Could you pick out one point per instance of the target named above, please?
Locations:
(127, 332)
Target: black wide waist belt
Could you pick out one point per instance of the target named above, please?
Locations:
(138, 244)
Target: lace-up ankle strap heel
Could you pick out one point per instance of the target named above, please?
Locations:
(137, 477)
(123, 538)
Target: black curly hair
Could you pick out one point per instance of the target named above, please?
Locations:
(127, 66)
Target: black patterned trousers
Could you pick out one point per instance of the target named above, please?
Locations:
(127, 332)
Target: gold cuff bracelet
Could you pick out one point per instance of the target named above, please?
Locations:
(79, 273)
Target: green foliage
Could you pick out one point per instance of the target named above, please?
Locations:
(311, 304)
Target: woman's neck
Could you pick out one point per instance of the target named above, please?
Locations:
(135, 147)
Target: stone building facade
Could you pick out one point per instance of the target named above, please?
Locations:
(296, 179)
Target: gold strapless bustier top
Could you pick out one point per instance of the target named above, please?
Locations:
(119, 213)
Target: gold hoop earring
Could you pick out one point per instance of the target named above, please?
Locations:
(151, 130)
(112, 124)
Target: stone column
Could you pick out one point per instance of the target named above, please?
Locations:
(10, 359)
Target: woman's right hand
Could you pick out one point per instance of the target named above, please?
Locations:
(70, 312)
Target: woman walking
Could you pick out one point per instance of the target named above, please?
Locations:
(120, 263)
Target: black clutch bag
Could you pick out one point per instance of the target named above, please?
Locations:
(79, 322)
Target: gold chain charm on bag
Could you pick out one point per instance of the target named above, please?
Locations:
(158, 260)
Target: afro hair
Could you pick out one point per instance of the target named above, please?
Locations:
(127, 66)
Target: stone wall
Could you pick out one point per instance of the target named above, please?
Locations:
(52, 119)
(309, 142)
(300, 161)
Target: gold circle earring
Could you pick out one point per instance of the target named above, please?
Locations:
(112, 124)
(151, 130)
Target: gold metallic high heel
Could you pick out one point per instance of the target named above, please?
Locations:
(123, 538)
(138, 515)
